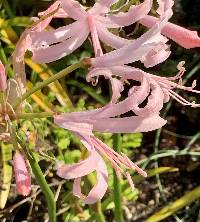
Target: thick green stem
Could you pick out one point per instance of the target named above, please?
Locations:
(44, 187)
(40, 85)
(116, 183)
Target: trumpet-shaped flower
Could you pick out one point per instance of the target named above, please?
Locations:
(184, 37)
(52, 45)
(22, 176)
(94, 162)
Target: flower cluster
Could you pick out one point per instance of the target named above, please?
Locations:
(151, 49)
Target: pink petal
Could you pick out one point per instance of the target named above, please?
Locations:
(60, 50)
(79, 127)
(129, 124)
(109, 38)
(22, 46)
(46, 38)
(3, 77)
(79, 169)
(22, 176)
(52, 12)
(157, 55)
(95, 38)
(59, 14)
(135, 13)
(98, 191)
(136, 50)
(73, 9)
(184, 37)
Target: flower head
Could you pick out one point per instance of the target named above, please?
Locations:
(53, 45)
(121, 163)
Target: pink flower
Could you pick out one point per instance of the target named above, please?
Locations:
(22, 176)
(3, 78)
(53, 45)
(83, 129)
(155, 90)
(150, 48)
(184, 37)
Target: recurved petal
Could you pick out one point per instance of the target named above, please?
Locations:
(98, 191)
(55, 52)
(182, 36)
(132, 124)
(81, 168)
(73, 9)
(138, 48)
(157, 55)
(135, 13)
(45, 38)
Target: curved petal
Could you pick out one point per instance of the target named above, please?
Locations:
(184, 37)
(135, 13)
(73, 9)
(129, 124)
(69, 124)
(45, 38)
(111, 39)
(155, 101)
(98, 191)
(60, 13)
(157, 55)
(79, 169)
(60, 50)
(136, 50)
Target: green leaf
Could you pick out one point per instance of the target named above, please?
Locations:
(6, 152)
(172, 208)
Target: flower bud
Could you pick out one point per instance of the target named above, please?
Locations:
(3, 84)
(22, 176)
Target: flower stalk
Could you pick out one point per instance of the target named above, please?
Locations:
(116, 183)
(44, 187)
(40, 85)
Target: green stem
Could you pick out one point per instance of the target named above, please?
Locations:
(53, 78)
(35, 115)
(98, 212)
(116, 183)
(44, 186)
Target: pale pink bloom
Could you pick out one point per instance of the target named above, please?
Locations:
(184, 37)
(53, 45)
(3, 78)
(150, 48)
(22, 176)
(155, 90)
(94, 162)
